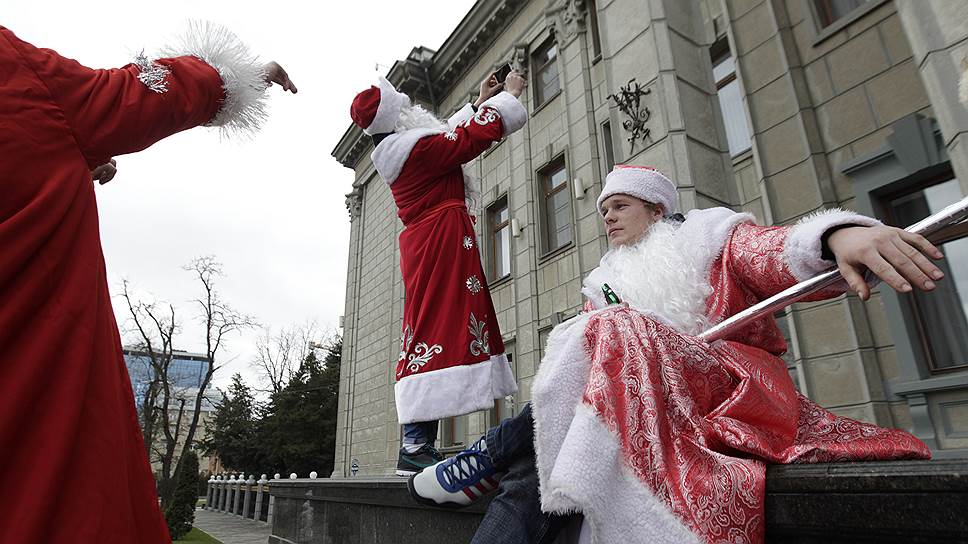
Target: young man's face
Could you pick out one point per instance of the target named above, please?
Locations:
(627, 218)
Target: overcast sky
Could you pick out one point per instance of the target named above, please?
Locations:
(272, 208)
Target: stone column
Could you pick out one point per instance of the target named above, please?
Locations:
(272, 501)
(225, 493)
(247, 501)
(257, 514)
(237, 500)
(208, 492)
(937, 33)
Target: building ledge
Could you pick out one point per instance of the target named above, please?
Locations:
(901, 501)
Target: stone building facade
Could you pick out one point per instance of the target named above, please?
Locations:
(775, 107)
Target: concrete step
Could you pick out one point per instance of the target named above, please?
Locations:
(899, 501)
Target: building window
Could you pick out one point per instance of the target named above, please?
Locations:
(829, 11)
(939, 314)
(607, 147)
(593, 27)
(499, 241)
(546, 82)
(730, 98)
(556, 206)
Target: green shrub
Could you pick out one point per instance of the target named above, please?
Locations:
(180, 512)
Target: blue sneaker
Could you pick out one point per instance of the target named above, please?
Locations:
(458, 481)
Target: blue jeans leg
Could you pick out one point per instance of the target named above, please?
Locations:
(515, 516)
(423, 432)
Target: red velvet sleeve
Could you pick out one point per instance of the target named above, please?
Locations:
(450, 150)
(111, 112)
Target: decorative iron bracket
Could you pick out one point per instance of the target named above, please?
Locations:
(629, 101)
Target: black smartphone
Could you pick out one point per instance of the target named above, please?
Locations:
(502, 73)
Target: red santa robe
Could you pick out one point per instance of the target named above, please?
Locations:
(451, 359)
(658, 437)
(73, 460)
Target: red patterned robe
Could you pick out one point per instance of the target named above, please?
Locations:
(72, 458)
(658, 437)
(451, 359)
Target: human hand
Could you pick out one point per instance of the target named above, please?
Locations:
(489, 88)
(276, 74)
(515, 84)
(894, 255)
(105, 173)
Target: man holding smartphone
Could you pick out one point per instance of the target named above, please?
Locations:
(451, 359)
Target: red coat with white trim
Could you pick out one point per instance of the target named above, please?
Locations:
(451, 359)
(74, 462)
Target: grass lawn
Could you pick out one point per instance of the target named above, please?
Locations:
(196, 536)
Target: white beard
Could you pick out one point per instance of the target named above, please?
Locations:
(416, 117)
(658, 275)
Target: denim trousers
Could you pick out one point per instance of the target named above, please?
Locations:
(515, 516)
(423, 432)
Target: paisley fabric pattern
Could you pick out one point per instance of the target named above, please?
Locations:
(697, 423)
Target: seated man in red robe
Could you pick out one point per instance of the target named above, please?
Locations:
(650, 433)
(73, 455)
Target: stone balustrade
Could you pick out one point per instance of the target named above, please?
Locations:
(243, 496)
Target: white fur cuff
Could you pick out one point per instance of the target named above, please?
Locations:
(244, 108)
(460, 116)
(802, 248)
(453, 391)
(513, 113)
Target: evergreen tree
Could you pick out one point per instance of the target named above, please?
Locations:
(298, 428)
(180, 512)
(232, 429)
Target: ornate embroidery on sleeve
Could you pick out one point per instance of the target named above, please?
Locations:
(452, 136)
(405, 342)
(479, 344)
(151, 74)
(468, 242)
(473, 284)
(485, 116)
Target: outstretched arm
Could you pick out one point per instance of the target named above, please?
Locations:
(210, 78)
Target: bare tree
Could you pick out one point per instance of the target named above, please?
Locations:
(279, 355)
(219, 320)
(155, 327)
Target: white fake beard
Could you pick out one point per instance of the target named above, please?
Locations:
(416, 117)
(656, 275)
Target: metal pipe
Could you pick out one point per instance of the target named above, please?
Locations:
(950, 215)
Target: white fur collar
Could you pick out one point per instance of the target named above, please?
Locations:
(667, 274)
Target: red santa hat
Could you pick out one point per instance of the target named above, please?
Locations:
(376, 109)
(642, 182)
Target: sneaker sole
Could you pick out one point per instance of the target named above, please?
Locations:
(407, 473)
(430, 502)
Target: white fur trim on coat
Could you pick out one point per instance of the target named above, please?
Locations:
(453, 391)
(244, 108)
(802, 248)
(580, 464)
(460, 116)
(388, 110)
(392, 153)
(513, 113)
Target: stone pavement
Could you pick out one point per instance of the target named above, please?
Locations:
(232, 529)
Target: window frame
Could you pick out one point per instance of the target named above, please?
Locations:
(720, 52)
(908, 300)
(539, 98)
(544, 176)
(491, 238)
(595, 31)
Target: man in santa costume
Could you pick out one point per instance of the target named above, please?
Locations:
(73, 459)
(650, 433)
(451, 359)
